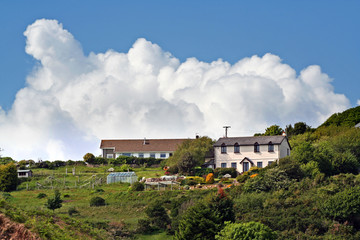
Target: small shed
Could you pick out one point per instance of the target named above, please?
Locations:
(125, 177)
(24, 173)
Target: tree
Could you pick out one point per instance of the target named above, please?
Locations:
(8, 177)
(273, 131)
(89, 158)
(157, 215)
(246, 231)
(54, 202)
(189, 154)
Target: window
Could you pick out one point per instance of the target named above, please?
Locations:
(233, 164)
(270, 162)
(141, 155)
(223, 165)
(236, 148)
(271, 147)
(163, 155)
(109, 155)
(22, 173)
(152, 155)
(259, 164)
(126, 154)
(256, 147)
(223, 148)
(288, 152)
(245, 166)
(170, 154)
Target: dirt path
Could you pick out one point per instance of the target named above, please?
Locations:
(10, 230)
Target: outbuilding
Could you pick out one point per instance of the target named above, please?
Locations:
(24, 173)
(124, 177)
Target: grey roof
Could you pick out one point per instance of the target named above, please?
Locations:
(357, 125)
(122, 174)
(24, 171)
(247, 141)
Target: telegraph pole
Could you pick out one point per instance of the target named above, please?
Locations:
(226, 128)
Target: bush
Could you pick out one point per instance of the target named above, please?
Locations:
(41, 195)
(219, 172)
(8, 177)
(125, 168)
(246, 231)
(72, 211)
(137, 186)
(89, 158)
(210, 178)
(157, 215)
(97, 202)
(54, 202)
(144, 226)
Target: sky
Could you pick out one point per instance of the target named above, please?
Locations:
(75, 72)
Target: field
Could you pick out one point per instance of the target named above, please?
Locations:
(123, 207)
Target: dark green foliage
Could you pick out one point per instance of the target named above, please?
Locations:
(272, 179)
(246, 231)
(137, 186)
(157, 215)
(97, 202)
(206, 218)
(144, 226)
(201, 172)
(89, 158)
(8, 177)
(41, 195)
(134, 160)
(343, 206)
(291, 168)
(189, 154)
(299, 128)
(219, 172)
(54, 202)
(348, 118)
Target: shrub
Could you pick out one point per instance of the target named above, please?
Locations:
(210, 178)
(219, 172)
(72, 211)
(89, 158)
(8, 177)
(66, 195)
(246, 231)
(41, 195)
(137, 186)
(54, 202)
(144, 226)
(125, 168)
(157, 215)
(97, 202)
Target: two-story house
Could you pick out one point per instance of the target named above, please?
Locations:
(243, 153)
(142, 148)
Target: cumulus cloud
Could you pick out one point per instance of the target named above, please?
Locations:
(71, 101)
(358, 102)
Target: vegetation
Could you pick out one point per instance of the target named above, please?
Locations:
(97, 202)
(246, 231)
(54, 202)
(8, 177)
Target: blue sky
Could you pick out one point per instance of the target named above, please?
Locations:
(97, 70)
(302, 33)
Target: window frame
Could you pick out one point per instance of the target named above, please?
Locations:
(223, 148)
(247, 165)
(271, 147)
(259, 163)
(236, 148)
(256, 147)
(232, 165)
(153, 155)
(223, 165)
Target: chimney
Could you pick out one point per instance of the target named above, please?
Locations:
(226, 128)
(284, 134)
(145, 141)
(197, 136)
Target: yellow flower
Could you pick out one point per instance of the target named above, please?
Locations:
(254, 175)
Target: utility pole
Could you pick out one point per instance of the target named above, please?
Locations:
(226, 128)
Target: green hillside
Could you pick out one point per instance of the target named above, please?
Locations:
(347, 118)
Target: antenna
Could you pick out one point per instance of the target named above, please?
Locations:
(226, 128)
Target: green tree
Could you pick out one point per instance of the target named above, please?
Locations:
(157, 215)
(54, 202)
(89, 158)
(273, 131)
(189, 154)
(8, 177)
(246, 231)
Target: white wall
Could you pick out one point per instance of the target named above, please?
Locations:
(263, 156)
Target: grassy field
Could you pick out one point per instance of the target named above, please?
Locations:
(123, 207)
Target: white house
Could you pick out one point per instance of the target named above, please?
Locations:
(143, 148)
(243, 153)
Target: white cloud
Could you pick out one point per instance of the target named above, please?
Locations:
(358, 102)
(72, 100)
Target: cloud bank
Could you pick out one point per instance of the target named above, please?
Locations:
(71, 101)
